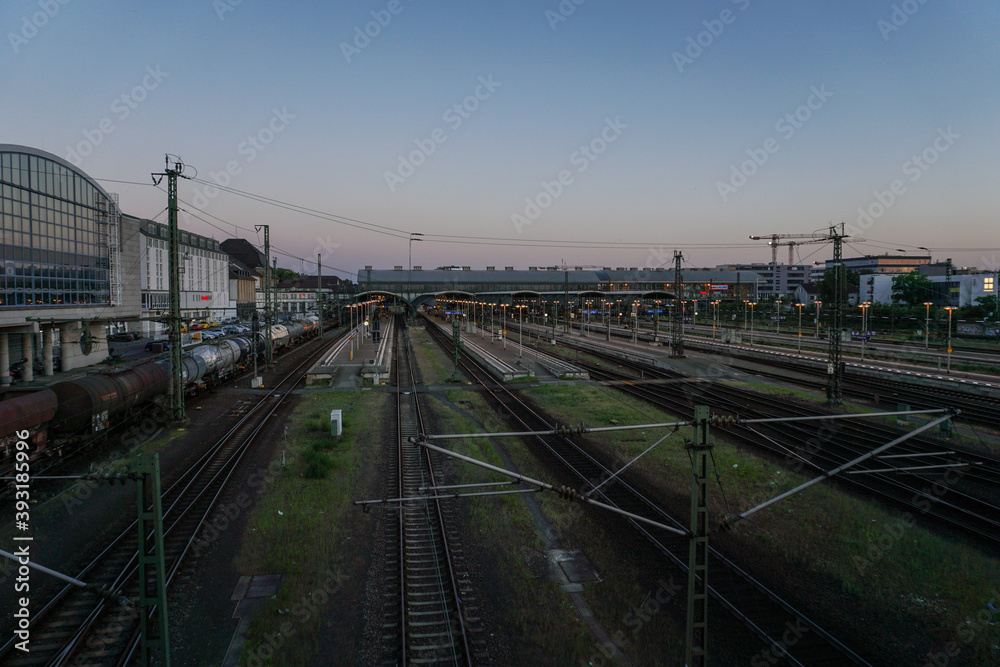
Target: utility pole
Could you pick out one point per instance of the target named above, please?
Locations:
(319, 291)
(677, 330)
(835, 370)
(172, 171)
(696, 640)
(566, 299)
(268, 346)
(151, 560)
(949, 270)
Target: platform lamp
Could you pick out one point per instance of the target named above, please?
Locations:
(949, 309)
(819, 304)
(751, 304)
(927, 321)
(799, 306)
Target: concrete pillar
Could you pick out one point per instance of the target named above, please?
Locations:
(28, 350)
(47, 351)
(4, 361)
(68, 351)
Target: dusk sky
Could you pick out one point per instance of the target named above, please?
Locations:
(595, 132)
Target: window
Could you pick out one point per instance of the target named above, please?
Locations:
(988, 284)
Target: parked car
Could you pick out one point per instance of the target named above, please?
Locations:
(150, 344)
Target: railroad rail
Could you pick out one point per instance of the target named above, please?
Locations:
(762, 611)
(956, 509)
(78, 625)
(430, 612)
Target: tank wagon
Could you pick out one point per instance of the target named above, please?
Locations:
(93, 403)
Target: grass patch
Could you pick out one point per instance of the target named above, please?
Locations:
(297, 527)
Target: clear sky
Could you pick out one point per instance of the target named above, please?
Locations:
(590, 131)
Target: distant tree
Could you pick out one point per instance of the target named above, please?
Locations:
(281, 275)
(912, 288)
(826, 285)
(986, 307)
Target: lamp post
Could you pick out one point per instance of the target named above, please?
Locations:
(864, 326)
(503, 324)
(752, 304)
(635, 322)
(656, 321)
(715, 317)
(520, 330)
(777, 315)
(949, 309)
(818, 305)
(414, 236)
(927, 321)
(746, 302)
(799, 305)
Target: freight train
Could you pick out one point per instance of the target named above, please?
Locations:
(74, 409)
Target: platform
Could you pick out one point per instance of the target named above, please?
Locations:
(355, 357)
(509, 360)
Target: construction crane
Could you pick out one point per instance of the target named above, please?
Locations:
(772, 240)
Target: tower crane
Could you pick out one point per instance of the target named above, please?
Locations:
(772, 240)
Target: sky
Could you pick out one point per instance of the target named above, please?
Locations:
(520, 133)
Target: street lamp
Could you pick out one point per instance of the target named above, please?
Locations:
(715, 317)
(799, 305)
(777, 315)
(949, 309)
(818, 305)
(635, 322)
(927, 321)
(503, 324)
(752, 304)
(520, 330)
(864, 326)
(414, 236)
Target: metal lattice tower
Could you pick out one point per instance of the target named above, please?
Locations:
(677, 326)
(319, 291)
(268, 345)
(172, 171)
(696, 639)
(153, 627)
(835, 370)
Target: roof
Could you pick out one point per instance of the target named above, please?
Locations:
(309, 283)
(244, 251)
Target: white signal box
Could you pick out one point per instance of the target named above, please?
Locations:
(336, 423)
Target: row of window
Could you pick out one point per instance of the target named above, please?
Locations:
(47, 177)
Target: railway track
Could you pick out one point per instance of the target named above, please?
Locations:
(799, 446)
(979, 410)
(430, 612)
(762, 611)
(81, 627)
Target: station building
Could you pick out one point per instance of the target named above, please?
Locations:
(556, 284)
(69, 263)
(205, 268)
